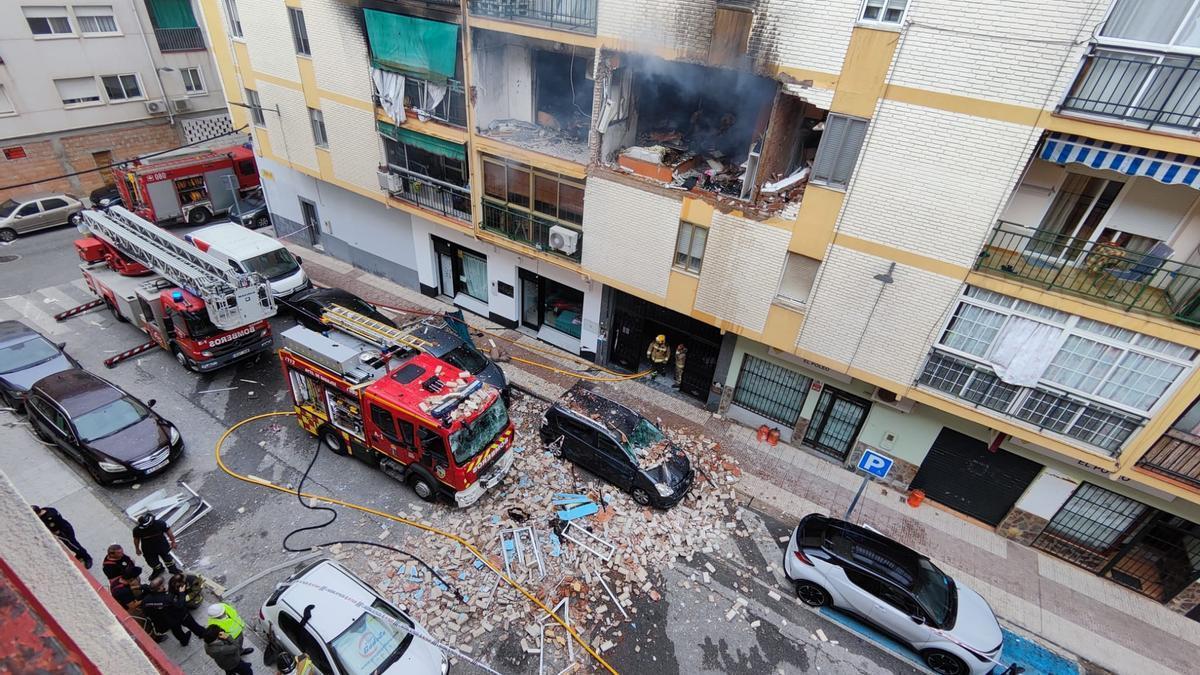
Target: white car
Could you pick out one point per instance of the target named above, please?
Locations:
(833, 562)
(322, 611)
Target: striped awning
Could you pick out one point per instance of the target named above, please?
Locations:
(1164, 167)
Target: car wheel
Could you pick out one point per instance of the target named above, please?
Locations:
(7, 234)
(198, 216)
(262, 221)
(95, 472)
(640, 496)
(74, 219)
(421, 485)
(944, 663)
(332, 440)
(812, 594)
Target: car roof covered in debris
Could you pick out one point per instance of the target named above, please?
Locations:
(405, 385)
(586, 400)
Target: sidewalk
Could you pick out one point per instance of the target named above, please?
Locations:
(1103, 623)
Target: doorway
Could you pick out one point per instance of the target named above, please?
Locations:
(552, 309)
(102, 159)
(1161, 560)
(960, 472)
(635, 322)
(1073, 218)
(836, 422)
(312, 222)
(461, 272)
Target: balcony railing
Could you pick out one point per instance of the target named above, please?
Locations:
(447, 199)
(452, 109)
(573, 15)
(1042, 407)
(1176, 455)
(533, 230)
(1142, 282)
(1145, 88)
(179, 39)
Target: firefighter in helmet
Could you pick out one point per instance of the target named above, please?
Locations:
(659, 354)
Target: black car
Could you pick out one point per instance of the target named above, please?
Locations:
(618, 445)
(250, 212)
(113, 435)
(307, 306)
(26, 356)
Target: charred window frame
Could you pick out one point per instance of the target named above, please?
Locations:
(525, 188)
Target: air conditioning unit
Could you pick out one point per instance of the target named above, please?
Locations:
(564, 240)
(181, 104)
(892, 400)
(156, 107)
(388, 181)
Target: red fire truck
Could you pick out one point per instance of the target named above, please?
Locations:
(193, 188)
(188, 302)
(367, 389)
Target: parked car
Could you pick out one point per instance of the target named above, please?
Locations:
(320, 611)
(833, 562)
(308, 305)
(104, 197)
(113, 435)
(250, 212)
(26, 356)
(618, 445)
(22, 215)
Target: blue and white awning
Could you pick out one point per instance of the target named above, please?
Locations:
(1164, 167)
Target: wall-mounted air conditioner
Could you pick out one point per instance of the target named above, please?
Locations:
(564, 240)
(890, 399)
(156, 107)
(181, 104)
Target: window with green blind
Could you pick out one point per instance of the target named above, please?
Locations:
(410, 44)
(171, 13)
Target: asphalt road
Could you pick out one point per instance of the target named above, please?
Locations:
(685, 632)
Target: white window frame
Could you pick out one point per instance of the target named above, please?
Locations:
(40, 14)
(316, 120)
(1142, 44)
(7, 107)
(126, 99)
(780, 296)
(203, 90)
(233, 19)
(94, 11)
(686, 265)
(884, 5)
(81, 104)
(256, 113)
(299, 28)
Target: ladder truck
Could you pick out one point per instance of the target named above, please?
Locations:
(188, 302)
(369, 390)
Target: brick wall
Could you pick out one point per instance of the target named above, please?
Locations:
(743, 261)
(291, 130)
(339, 48)
(810, 34)
(353, 143)
(629, 233)
(269, 38)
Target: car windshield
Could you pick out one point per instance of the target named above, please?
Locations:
(471, 439)
(375, 640)
(646, 444)
(8, 207)
(273, 264)
(110, 418)
(26, 354)
(935, 591)
(465, 358)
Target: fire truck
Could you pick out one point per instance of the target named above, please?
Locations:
(369, 390)
(188, 302)
(192, 189)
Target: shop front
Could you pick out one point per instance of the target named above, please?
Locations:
(552, 310)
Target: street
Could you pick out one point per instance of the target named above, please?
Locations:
(687, 629)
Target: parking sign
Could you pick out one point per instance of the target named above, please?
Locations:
(875, 464)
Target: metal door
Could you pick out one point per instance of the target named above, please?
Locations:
(836, 422)
(962, 473)
(1161, 560)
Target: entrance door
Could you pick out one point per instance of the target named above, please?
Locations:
(836, 422)
(962, 473)
(531, 300)
(1071, 222)
(1161, 560)
(446, 274)
(102, 159)
(312, 222)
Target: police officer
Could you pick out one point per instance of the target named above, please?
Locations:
(153, 540)
(224, 616)
(62, 529)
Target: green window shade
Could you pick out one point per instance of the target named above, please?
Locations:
(419, 46)
(437, 146)
(172, 13)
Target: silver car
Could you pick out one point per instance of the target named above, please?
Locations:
(836, 563)
(21, 215)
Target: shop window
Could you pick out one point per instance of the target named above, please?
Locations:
(562, 308)
(799, 272)
(689, 246)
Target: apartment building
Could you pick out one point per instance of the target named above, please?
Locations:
(963, 235)
(85, 84)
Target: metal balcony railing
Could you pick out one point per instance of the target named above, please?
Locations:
(572, 15)
(179, 39)
(531, 229)
(452, 109)
(447, 199)
(1092, 423)
(1138, 281)
(1145, 88)
(1176, 455)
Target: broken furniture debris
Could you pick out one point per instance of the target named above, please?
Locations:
(179, 511)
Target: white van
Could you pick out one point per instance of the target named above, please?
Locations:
(247, 251)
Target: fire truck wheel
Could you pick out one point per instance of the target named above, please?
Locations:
(198, 216)
(182, 358)
(422, 486)
(7, 234)
(112, 309)
(333, 440)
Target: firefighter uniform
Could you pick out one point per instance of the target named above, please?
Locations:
(659, 354)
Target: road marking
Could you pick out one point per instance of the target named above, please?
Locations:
(31, 312)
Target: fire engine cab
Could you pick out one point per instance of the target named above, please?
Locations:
(367, 389)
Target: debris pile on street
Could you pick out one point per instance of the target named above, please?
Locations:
(558, 532)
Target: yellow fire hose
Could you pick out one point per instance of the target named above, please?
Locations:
(421, 526)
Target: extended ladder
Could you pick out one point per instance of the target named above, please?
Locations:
(375, 332)
(233, 299)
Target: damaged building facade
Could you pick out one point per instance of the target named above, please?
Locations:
(968, 240)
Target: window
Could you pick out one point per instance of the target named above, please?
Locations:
(193, 81)
(6, 105)
(47, 21)
(318, 128)
(383, 420)
(299, 32)
(121, 87)
(77, 91)
(772, 391)
(474, 275)
(689, 247)
(96, 20)
(838, 151)
(1160, 22)
(30, 209)
(799, 272)
(53, 203)
(554, 195)
(1095, 518)
(234, 19)
(884, 11)
(256, 113)
(419, 160)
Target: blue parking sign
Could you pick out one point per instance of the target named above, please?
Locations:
(875, 464)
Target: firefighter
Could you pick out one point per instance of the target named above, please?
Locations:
(169, 613)
(680, 361)
(153, 540)
(116, 562)
(659, 354)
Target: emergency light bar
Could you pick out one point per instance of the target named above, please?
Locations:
(444, 409)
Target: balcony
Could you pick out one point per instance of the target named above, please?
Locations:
(449, 200)
(544, 234)
(179, 39)
(1147, 282)
(421, 96)
(577, 16)
(1150, 89)
(1176, 456)
(1041, 407)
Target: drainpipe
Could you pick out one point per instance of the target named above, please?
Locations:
(133, 4)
